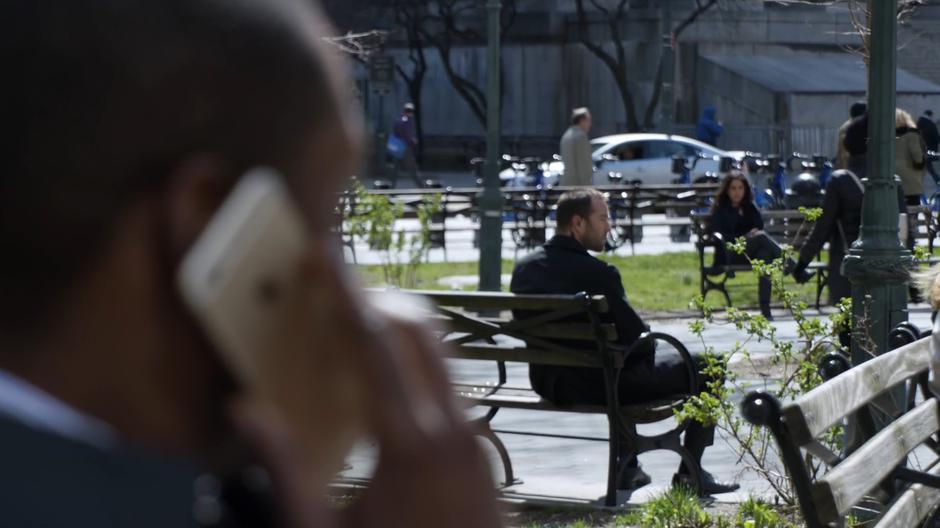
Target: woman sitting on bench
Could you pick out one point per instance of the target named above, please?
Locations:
(734, 215)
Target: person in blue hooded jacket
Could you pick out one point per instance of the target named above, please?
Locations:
(709, 129)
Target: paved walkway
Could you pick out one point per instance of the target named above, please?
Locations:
(563, 471)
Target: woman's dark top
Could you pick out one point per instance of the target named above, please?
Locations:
(733, 222)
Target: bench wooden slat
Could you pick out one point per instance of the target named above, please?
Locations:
(530, 355)
(845, 484)
(523, 398)
(822, 407)
(499, 301)
(553, 330)
(913, 505)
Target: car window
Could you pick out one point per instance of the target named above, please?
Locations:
(631, 150)
(668, 149)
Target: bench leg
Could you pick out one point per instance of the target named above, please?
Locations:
(482, 428)
(709, 285)
(613, 425)
(822, 279)
(670, 441)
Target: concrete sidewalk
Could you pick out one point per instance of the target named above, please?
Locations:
(573, 472)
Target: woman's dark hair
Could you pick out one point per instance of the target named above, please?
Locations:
(722, 199)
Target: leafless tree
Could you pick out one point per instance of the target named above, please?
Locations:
(451, 23)
(614, 14)
(410, 17)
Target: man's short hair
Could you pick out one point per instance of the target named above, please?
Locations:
(102, 99)
(578, 202)
(858, 108)
(579, 114)
(928, 113)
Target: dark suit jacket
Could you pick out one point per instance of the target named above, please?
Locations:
(50, 481)
(563, 266)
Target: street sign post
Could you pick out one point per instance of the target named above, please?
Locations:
(381, 80)
(381, 73)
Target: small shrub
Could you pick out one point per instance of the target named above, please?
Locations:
(755, 513)
(678, 507)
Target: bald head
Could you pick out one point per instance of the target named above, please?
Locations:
(102, 98)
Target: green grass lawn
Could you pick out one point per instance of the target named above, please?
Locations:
(653, 282)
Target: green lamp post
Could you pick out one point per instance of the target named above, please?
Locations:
(491, 201)
(877, 265)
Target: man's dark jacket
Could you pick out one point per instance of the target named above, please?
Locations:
(47, 480)
(563, 266)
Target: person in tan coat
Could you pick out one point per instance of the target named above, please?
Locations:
(909, 157)
(576, 150)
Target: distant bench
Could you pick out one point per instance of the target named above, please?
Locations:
(785, 227)
(528, 211)
(480, 326)
(878, 468)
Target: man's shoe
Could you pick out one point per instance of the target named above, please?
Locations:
(633, 478)
(710, 486)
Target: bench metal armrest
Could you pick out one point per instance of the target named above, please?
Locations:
(691, 367)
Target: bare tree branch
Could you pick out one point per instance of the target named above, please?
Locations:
(359, 45)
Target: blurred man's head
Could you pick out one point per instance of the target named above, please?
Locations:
(583, 215)
(408, 109)
(124, 125)
(581, 117)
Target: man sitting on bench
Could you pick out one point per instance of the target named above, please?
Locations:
(563, 266)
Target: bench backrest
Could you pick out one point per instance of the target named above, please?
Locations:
(479, 325)
(785, 226)
(798, 425)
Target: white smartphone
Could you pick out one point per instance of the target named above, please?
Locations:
(237, 276)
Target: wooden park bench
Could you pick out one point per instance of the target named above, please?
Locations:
(480, 326)
(875, 474)
(786, 227)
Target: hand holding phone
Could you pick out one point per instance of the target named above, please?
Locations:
(251, 280)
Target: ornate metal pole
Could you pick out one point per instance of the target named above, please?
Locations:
(491, 201)
(877, 264)
(668, 102)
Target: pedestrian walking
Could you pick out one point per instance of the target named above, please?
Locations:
(709, 129)
(576, 150)
(403, 146)
(857, 109)
(931, 137)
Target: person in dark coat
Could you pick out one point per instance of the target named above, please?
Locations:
(839, 225)
(709, 129)
(563, 266)
(405, 129)
(857, 109)
(856, 143)
(931, 136)
(734, 215)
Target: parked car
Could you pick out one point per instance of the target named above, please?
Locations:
(646, 158)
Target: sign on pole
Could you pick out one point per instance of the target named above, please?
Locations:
(381, 73)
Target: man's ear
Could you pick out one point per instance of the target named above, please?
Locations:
(195, 190)
(576, 222)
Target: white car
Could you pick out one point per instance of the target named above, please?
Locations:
(646, 158)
